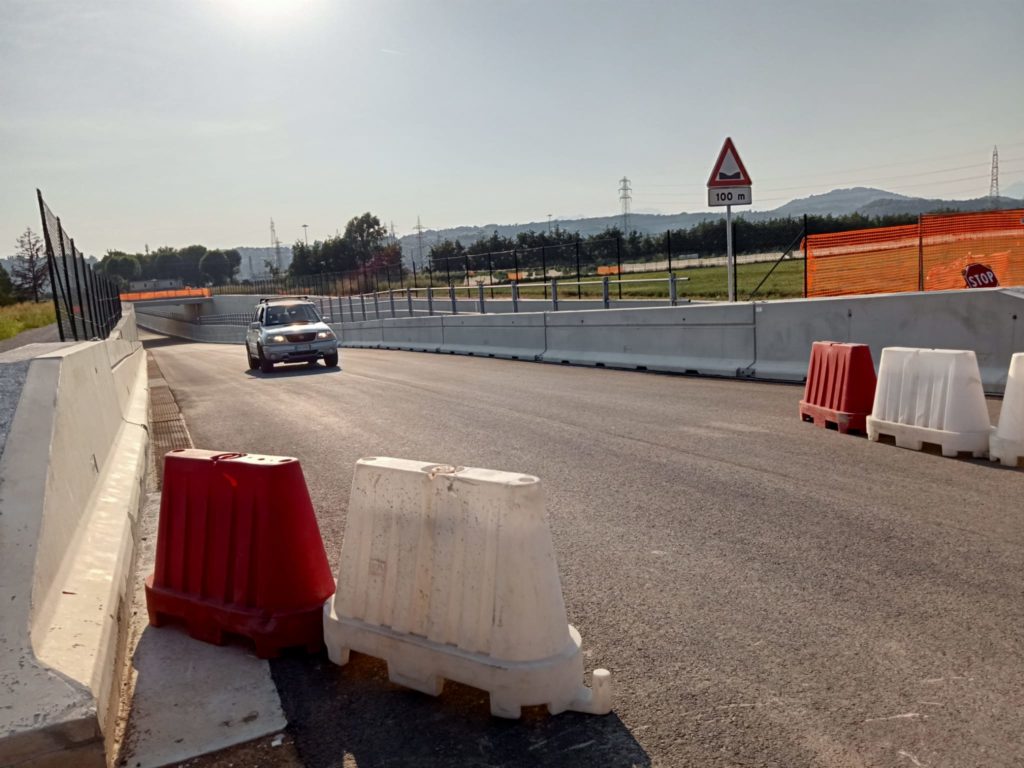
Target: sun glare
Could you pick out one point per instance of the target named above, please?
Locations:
(267, 12)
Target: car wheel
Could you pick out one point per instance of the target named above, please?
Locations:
(254, 363)
(265, 365)
(331, 360)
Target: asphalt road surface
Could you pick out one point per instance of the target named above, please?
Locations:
(765, 593)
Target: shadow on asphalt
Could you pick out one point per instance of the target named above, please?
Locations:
(293, 370)
(153, 342)
(355, 710)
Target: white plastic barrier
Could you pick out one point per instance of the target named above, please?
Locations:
(450, 573)
(931, 396)
(1007, 441)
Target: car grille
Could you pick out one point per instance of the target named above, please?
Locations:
(296, 337)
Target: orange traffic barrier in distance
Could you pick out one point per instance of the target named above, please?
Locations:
(239, 552)
(179, 293)
(840, 388)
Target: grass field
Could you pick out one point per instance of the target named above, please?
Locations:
(21, 317)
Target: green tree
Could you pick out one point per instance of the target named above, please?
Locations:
(166, 263)
(365, 236)
(216, 267)
(191, 257)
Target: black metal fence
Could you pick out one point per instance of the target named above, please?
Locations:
(573, 261)
(88, 305)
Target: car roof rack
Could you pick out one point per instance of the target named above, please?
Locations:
(267, 299)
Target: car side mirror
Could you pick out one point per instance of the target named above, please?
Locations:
(254, 326)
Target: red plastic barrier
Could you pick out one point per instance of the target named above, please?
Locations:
(239, 552)
(840, 387)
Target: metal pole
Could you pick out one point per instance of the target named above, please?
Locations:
(618, 262)
(730, 260)
(490, 272)
(391, 300)
(579, 288)
(554, 294)
(408, 299)
(668, 247)
(451, 295)
(414, 283)
(805, 255)
(430, 300)
(515, 262)
(672, 288)
(515, 295)
(362, 301)
(604, 291)
(481, 296)
(468, 294)
(920, 256)
(544, 268)
(69, 305)
(448, 270)
(376, 306)
(351, 308)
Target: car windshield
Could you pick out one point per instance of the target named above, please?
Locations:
(292, 314)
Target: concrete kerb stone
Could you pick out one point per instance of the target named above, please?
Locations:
(362, 334)
(70, 496)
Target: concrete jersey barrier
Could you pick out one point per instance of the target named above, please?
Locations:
(71, 481)
(768, 340)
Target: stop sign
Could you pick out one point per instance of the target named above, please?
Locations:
(980, 276)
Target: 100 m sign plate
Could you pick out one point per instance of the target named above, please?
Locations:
(729, 196)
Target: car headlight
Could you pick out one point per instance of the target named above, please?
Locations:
(278, 339)
(325, 335)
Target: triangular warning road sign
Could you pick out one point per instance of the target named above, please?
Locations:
(729, 170)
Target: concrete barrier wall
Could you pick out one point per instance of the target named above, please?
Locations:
(764, 340)
(987, 321)
(714, 340)
(216, 334)
(71, 484)
(517, 336)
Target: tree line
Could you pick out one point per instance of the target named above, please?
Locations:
(707, 238)
(365, 246)
(194, 265)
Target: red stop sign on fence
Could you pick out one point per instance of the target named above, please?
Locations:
(980, 276)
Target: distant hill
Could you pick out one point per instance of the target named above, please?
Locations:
(838, 202)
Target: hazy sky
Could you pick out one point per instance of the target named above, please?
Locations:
(187, 121)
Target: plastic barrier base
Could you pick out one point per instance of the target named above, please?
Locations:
(270, 634)
(914, 438)
(1007, 452)
(423, 666)
(827, 417)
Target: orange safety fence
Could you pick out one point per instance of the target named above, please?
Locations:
(931, 255)
(179, 293)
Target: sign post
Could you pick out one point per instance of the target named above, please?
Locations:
(729, 185)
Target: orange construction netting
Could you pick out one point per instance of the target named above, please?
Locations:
(180, 293)
(932, 254)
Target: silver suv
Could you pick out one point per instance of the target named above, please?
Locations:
(289, 330)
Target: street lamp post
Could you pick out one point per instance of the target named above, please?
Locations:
(305, 231)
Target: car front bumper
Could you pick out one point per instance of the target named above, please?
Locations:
(300, 353)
